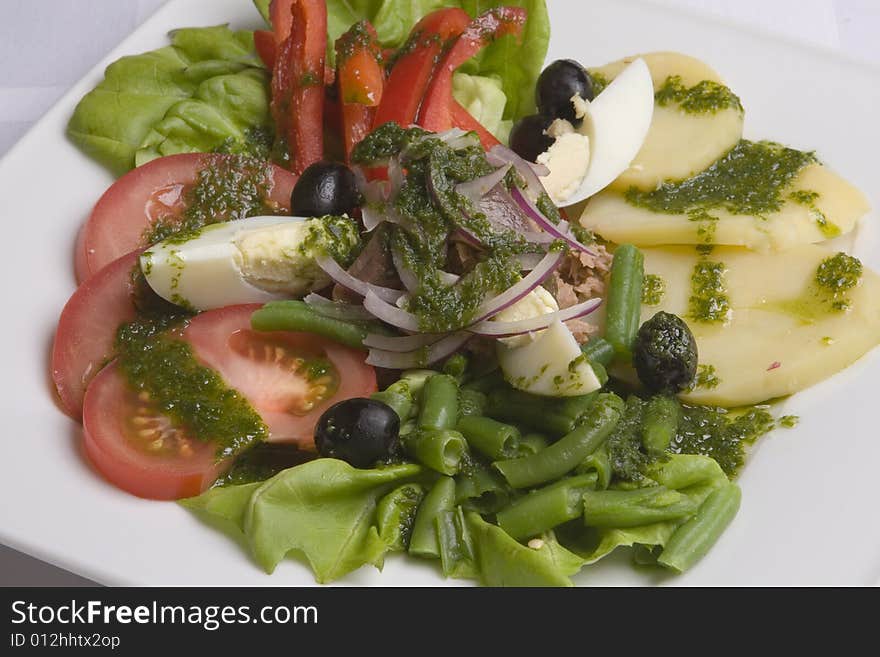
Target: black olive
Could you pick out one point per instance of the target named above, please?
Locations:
(361, 432)
(665, 354)
(556, 86)
(527, 139)
(325, 188)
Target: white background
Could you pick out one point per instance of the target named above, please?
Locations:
(46, 46)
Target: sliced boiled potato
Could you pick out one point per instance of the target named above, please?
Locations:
(838, 204)
(679, 144)
(780, 337)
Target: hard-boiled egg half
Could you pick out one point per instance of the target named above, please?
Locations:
(584, 160)
(547, 362)
(251, 260)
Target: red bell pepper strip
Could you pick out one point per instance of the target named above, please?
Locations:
(298, 84)
(281, 17)
(415, 64)
(264, 42)
(361, 79)
(439, 110)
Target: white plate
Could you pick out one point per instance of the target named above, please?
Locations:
(809, 513)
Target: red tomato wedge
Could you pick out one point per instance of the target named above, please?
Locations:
(439, 110)
(87, 330)
(289, 378)
(157, 190)
(138, 449)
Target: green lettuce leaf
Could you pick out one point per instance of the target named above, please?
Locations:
(204, 90)
(502, 561)
(484, 98)
(263, 7)
(515, 66)
(227, 503)
(325, 511)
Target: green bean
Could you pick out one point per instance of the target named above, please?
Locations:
(439, 403)
(600, 463)
(555, 416)
(532, 443)
(441, 450)
(491, 438)
(598, 350)
(624, 300)
(487, 383)
(569, 452)
(690, 542)
(441, 497)
(546, 508)
(471, 402)
(457, 554)
(456, 366)
(399, 397)
(416, 380)
(395, 515)
(633, 508)
(662, 415)
(481, 489)
(298, 316)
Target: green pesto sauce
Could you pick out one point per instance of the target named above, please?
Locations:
(337, 237)
(828, 292)
(232, 188)
(653, 290)
(715, 433)
(257, 144)
(706, 378)
(431, 210)
(263, 462)
(789, 421)
(709, 302)
(838, 275)
(749, 180)
(706, 97)
(191, 395)
(808, 199)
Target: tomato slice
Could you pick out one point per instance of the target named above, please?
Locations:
(138, 449)
(157, 190)
(86, 331)
(289, 378)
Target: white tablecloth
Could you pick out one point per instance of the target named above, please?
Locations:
(35, 74)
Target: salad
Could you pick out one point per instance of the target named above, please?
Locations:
(376, 280)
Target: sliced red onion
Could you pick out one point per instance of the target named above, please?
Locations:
(401, 344)
(500, 155)
(447, 278)
(419, 357)
(346, 280)
(372, 215)
(464, 235)
(560, 232)
(407, 276)
(528, 261)
(395, 177)
(516, 292)
(496, 329)
(474, 190)
(337, 309)
(541, 170)
(389, 313)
